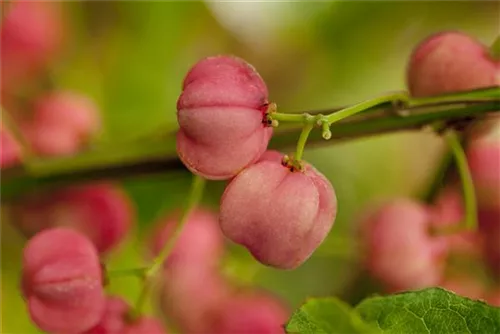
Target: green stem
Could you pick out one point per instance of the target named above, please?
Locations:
(138, 272)
(158, 155)
(469, 194)
(495, 49)
(195, 195)
(430, 194)
(357, 108)
(283, 117)
(304, 134)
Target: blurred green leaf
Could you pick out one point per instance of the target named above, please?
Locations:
(327, 316)
(433, 310)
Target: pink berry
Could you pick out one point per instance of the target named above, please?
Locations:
(115, 321)
(448, 210)
(250, 314)
(62, 281)
(101, 211)
(280, 215)
(113, 318)
(10, 151)
(63, 123)
(200, 244)
(220, 114)
(484, 163)
(31, 34)
(400, 252)
(190, 296)
(451, 61)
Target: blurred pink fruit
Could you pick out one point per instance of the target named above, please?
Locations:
(201, 242)
(400, 252)
(280, 216)
(190, 296)
(448, 210)
(220, 114)
(31, 34)
(101, 211)
(10, 151)
(61, 281)
(250, 314)
(484, 163)
(451, 61)
(63, 122)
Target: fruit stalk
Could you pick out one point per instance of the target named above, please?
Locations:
(157, 154)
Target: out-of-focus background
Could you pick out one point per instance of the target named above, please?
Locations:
(131, 57)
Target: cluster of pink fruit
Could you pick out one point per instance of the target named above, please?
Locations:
(63, 283)
(224, 136)
(279, 207)
(192, 272)
(71, 230)
(401, 250)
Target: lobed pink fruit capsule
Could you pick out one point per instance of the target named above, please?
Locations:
(63, 122)
(114, 321)
(280, 215)
(220, 114)
(101, 211)
(30, 35)
(451, 61)
(250, 314)
(400, 252)
(200, 244)
(10, 151)
(61, 281)
(483, 157)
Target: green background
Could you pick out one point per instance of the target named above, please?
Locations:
(131, 58)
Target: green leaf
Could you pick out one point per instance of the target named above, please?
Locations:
(327, 316)
(433, 310)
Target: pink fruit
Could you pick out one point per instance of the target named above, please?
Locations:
(113, 318)
(451, 61)
(31, 34)
(10, 151)
(190, 296)
(101, 211)
(484, 163)
(115, 321)
(400, 252)
(63, 123)
(280, 215)
(250, 314)
(200, 244)
(61, 281)
(448, 211)
(220, 114)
